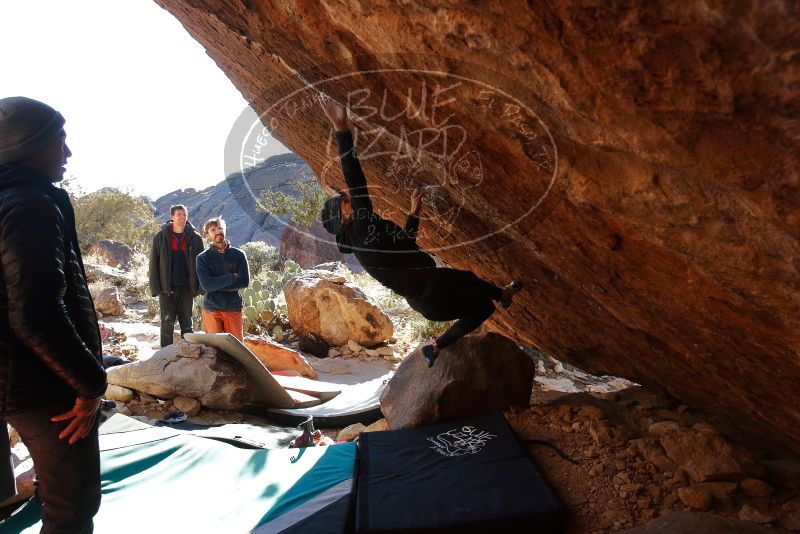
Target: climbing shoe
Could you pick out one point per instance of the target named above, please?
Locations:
(430, 354)
(509, 291)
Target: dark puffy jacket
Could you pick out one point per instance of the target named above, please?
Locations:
(50, 349)
(161, 260)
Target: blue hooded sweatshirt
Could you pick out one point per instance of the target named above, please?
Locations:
(222, 275)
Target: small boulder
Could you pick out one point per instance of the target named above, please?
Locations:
(110, 275)
(276, 357)
(695, 498)
(349, 433)
(755, 487)
(751, 514)
(477, 374)
(384, 351)
(323, 304)
(108, 301)
(187, 405)
(188, 370)
(653, 453)
(705, 456)
(378, 426)
(112, 253)
(118, 393)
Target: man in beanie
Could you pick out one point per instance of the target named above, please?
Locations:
(172, 272)
(51, 376)
(390, 254)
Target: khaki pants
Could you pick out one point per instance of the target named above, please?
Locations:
(219, 322)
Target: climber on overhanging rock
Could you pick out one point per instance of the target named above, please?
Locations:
(390, 254)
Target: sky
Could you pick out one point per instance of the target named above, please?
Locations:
(147, 110)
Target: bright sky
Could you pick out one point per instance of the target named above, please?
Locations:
(146, 108)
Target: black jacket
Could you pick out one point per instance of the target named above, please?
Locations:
(381, 246)
(50, 349)
(161, 260)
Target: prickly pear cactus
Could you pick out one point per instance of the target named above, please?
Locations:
(261, 313)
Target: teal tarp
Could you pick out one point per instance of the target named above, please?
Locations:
(191, 484)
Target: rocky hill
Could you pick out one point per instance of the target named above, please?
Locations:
(235, 200)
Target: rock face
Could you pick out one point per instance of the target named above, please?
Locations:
(276, 357)
(187, 370)
(636, 164)
(321, 303)
(112, 253)
(309, 246)
(477, 374)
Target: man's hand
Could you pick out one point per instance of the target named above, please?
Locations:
(83, 416)
(335, 112)
(416, 201)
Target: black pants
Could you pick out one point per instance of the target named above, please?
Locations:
(447, 294)
(68, 475)
(178, 303)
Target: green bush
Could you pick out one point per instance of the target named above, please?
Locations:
(260, 256)
(302, 210)
(117, 215)
(423, 329)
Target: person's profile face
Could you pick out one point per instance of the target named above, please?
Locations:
(52, 159)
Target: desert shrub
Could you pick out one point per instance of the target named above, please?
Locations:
(303, 208)
(114, 214)
(260, 256)
(423, 329)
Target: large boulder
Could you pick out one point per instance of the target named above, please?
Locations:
(637, 160)
(475, 375)
(112, 253)
(324, 304)
(190, 370)
(108, 301)
(276, 357)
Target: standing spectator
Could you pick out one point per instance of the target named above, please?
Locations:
(172, 272)
(223, 271)
(51, 376)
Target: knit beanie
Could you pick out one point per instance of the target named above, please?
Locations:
(26, 127)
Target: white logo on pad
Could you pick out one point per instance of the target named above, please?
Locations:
(460, 441)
